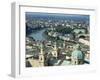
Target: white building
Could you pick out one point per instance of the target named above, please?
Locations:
(55, 52)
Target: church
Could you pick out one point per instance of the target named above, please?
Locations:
(56, 57)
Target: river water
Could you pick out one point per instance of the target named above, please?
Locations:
(38, 35)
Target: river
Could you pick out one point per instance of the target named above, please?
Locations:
(38, 35)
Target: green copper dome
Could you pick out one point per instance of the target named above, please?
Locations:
(77, 54)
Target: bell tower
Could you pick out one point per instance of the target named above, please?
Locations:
(41, 56)
(64, 44)
(54, 52)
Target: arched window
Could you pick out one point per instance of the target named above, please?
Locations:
(41, 58)
(82, 36)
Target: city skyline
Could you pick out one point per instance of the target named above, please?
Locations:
(55, 15)
(55, 39)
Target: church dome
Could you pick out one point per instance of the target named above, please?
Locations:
(77, 54)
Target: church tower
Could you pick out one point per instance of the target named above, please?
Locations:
(64, 44)
(55, 52)
(41, 56)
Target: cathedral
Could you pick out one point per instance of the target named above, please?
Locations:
(44, 58)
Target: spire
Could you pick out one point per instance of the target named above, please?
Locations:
(41, 55)
(55, 46)
(54, 52)
(41, 52)
(64, 45)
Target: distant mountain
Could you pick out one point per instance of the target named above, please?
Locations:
(56, 16)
